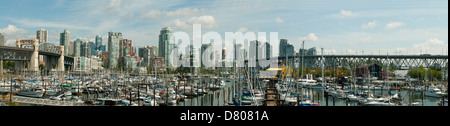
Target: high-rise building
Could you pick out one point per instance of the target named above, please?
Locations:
(93, 47)
(165, 45)
(2, 40)
(126, 48)
(224, 53)
(308, 52)
(114, 39)
(98, 42)
(289, 50)
(133, 52)
(148, 55)
(202, 51)
(77, 48)
(103, 48)
(286, 49)
(42, 35)
(283, 43)
(70, 48)
(64, 40)
(268, 50)
(141, 52)
(85, 49)
(312, 52)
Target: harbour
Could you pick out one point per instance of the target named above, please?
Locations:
(209, 90)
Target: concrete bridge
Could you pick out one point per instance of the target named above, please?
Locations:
(26, 56)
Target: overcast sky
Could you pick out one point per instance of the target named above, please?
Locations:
(338, 26)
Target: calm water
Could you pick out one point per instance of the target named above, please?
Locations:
(217, 98)
(317, 96)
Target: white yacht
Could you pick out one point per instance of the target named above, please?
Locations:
(352, 97)
(309, 82)
(378, 102)
(434, 92)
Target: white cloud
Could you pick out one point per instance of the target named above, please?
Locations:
(184, 12)
(393, 25)
(279, 20)
(432, 46)
(310, 37)
(115, 3)
(328, 52)
(128, 17)
(351, 52)
(153, 14)
(114, 6)
(366, 39)
(401, 51)
(242, 29)
(11, 33)
(11, 29)
(206, 22)
(41, 24)
(369, 25)
(345, 13)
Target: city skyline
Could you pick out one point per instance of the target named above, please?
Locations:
(400, 27)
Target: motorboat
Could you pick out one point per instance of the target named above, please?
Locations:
(352, 97)
(289, 99)
(309, 82)
(338, 93)
(308, 103)
(109, 102)
(379, 102)
(33, 93)
(434, 92)
(150, 102)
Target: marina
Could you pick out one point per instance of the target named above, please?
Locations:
(216, 53)
(210, 90)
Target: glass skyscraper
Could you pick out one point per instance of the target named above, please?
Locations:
(93, 47)
(114, 39)
(165, 46)
(64, 41)
(98, 42)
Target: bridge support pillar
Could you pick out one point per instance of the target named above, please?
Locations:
(34, 60)
(60, 68)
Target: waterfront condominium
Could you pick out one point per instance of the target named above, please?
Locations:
(165, 46)
(42, 36)
(64, 40)
(77, 48)
(114, 39)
